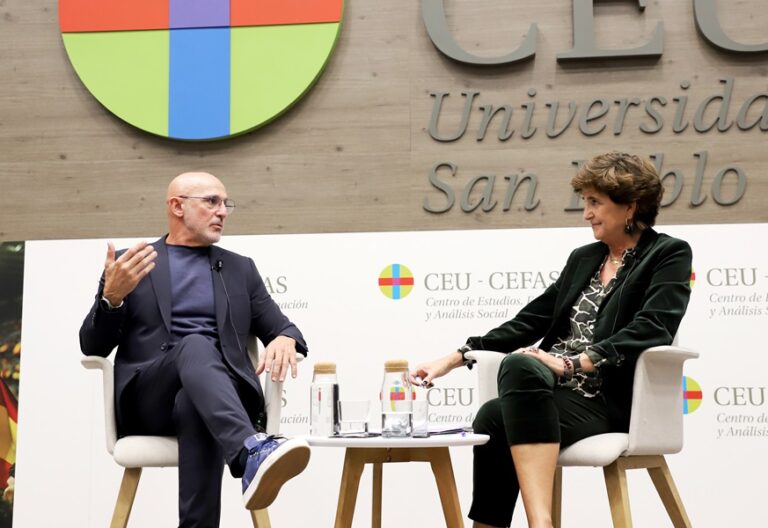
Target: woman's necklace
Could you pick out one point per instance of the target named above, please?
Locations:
(614, 260)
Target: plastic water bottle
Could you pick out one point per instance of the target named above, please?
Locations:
(396, 398)
(324, 401)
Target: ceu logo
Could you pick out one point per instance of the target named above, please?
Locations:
(691, 395)
(396, 281)
(199, 69)
(398, 393)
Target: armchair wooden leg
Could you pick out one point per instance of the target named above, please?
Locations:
(260, 519)
(618, 494)
(557, 496)
(667, 490)
(125, 497)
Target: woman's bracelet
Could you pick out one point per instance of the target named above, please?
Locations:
(567, 367)
(577, 365)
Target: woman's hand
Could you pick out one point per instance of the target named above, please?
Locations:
(586, 363)
(555, 364)
(436, 368)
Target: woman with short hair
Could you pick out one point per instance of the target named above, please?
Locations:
(613, 299)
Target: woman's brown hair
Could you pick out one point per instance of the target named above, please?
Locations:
(625, 178)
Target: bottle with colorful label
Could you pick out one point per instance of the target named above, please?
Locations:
(396, 400)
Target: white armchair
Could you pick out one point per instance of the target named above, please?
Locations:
(655, 430)
(137, 452)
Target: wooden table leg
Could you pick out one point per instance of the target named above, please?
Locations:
(376, 510)
(355, 459)
(440, 460)
(354, 462)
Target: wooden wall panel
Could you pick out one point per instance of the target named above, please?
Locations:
(354, 154)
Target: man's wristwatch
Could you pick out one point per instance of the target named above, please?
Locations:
(465, 360)
(108, 306)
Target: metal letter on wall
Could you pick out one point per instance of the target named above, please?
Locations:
(433, 13)
(584, 37)
(707, 23)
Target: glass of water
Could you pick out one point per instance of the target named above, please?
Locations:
(420, 419)
(353, 417)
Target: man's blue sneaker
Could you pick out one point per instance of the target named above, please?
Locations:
(272, 461)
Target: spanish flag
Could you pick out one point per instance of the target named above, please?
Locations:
(9, 417)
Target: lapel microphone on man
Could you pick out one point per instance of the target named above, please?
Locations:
(217, 267)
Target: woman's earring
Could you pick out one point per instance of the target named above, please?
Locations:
(629, 226)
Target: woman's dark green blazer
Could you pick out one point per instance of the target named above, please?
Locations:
(643, 310)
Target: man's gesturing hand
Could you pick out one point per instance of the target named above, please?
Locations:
(277, 357)
(123, 274)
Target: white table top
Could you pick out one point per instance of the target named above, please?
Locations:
(447, 440)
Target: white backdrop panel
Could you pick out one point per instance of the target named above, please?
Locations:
(329, 285)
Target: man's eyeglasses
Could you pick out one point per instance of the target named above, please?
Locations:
(214, 202)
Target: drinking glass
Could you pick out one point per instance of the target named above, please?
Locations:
(353, 416)
(420, 419)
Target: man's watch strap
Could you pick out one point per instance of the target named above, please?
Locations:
(108, 306)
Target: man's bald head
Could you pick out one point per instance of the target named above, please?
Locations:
(192, 221)
(190, 183)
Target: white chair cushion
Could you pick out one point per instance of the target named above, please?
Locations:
(147, 451)
(599, 450)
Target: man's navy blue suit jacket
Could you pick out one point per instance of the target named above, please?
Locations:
(141, 328)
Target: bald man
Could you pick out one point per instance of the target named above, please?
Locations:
(179, 310)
